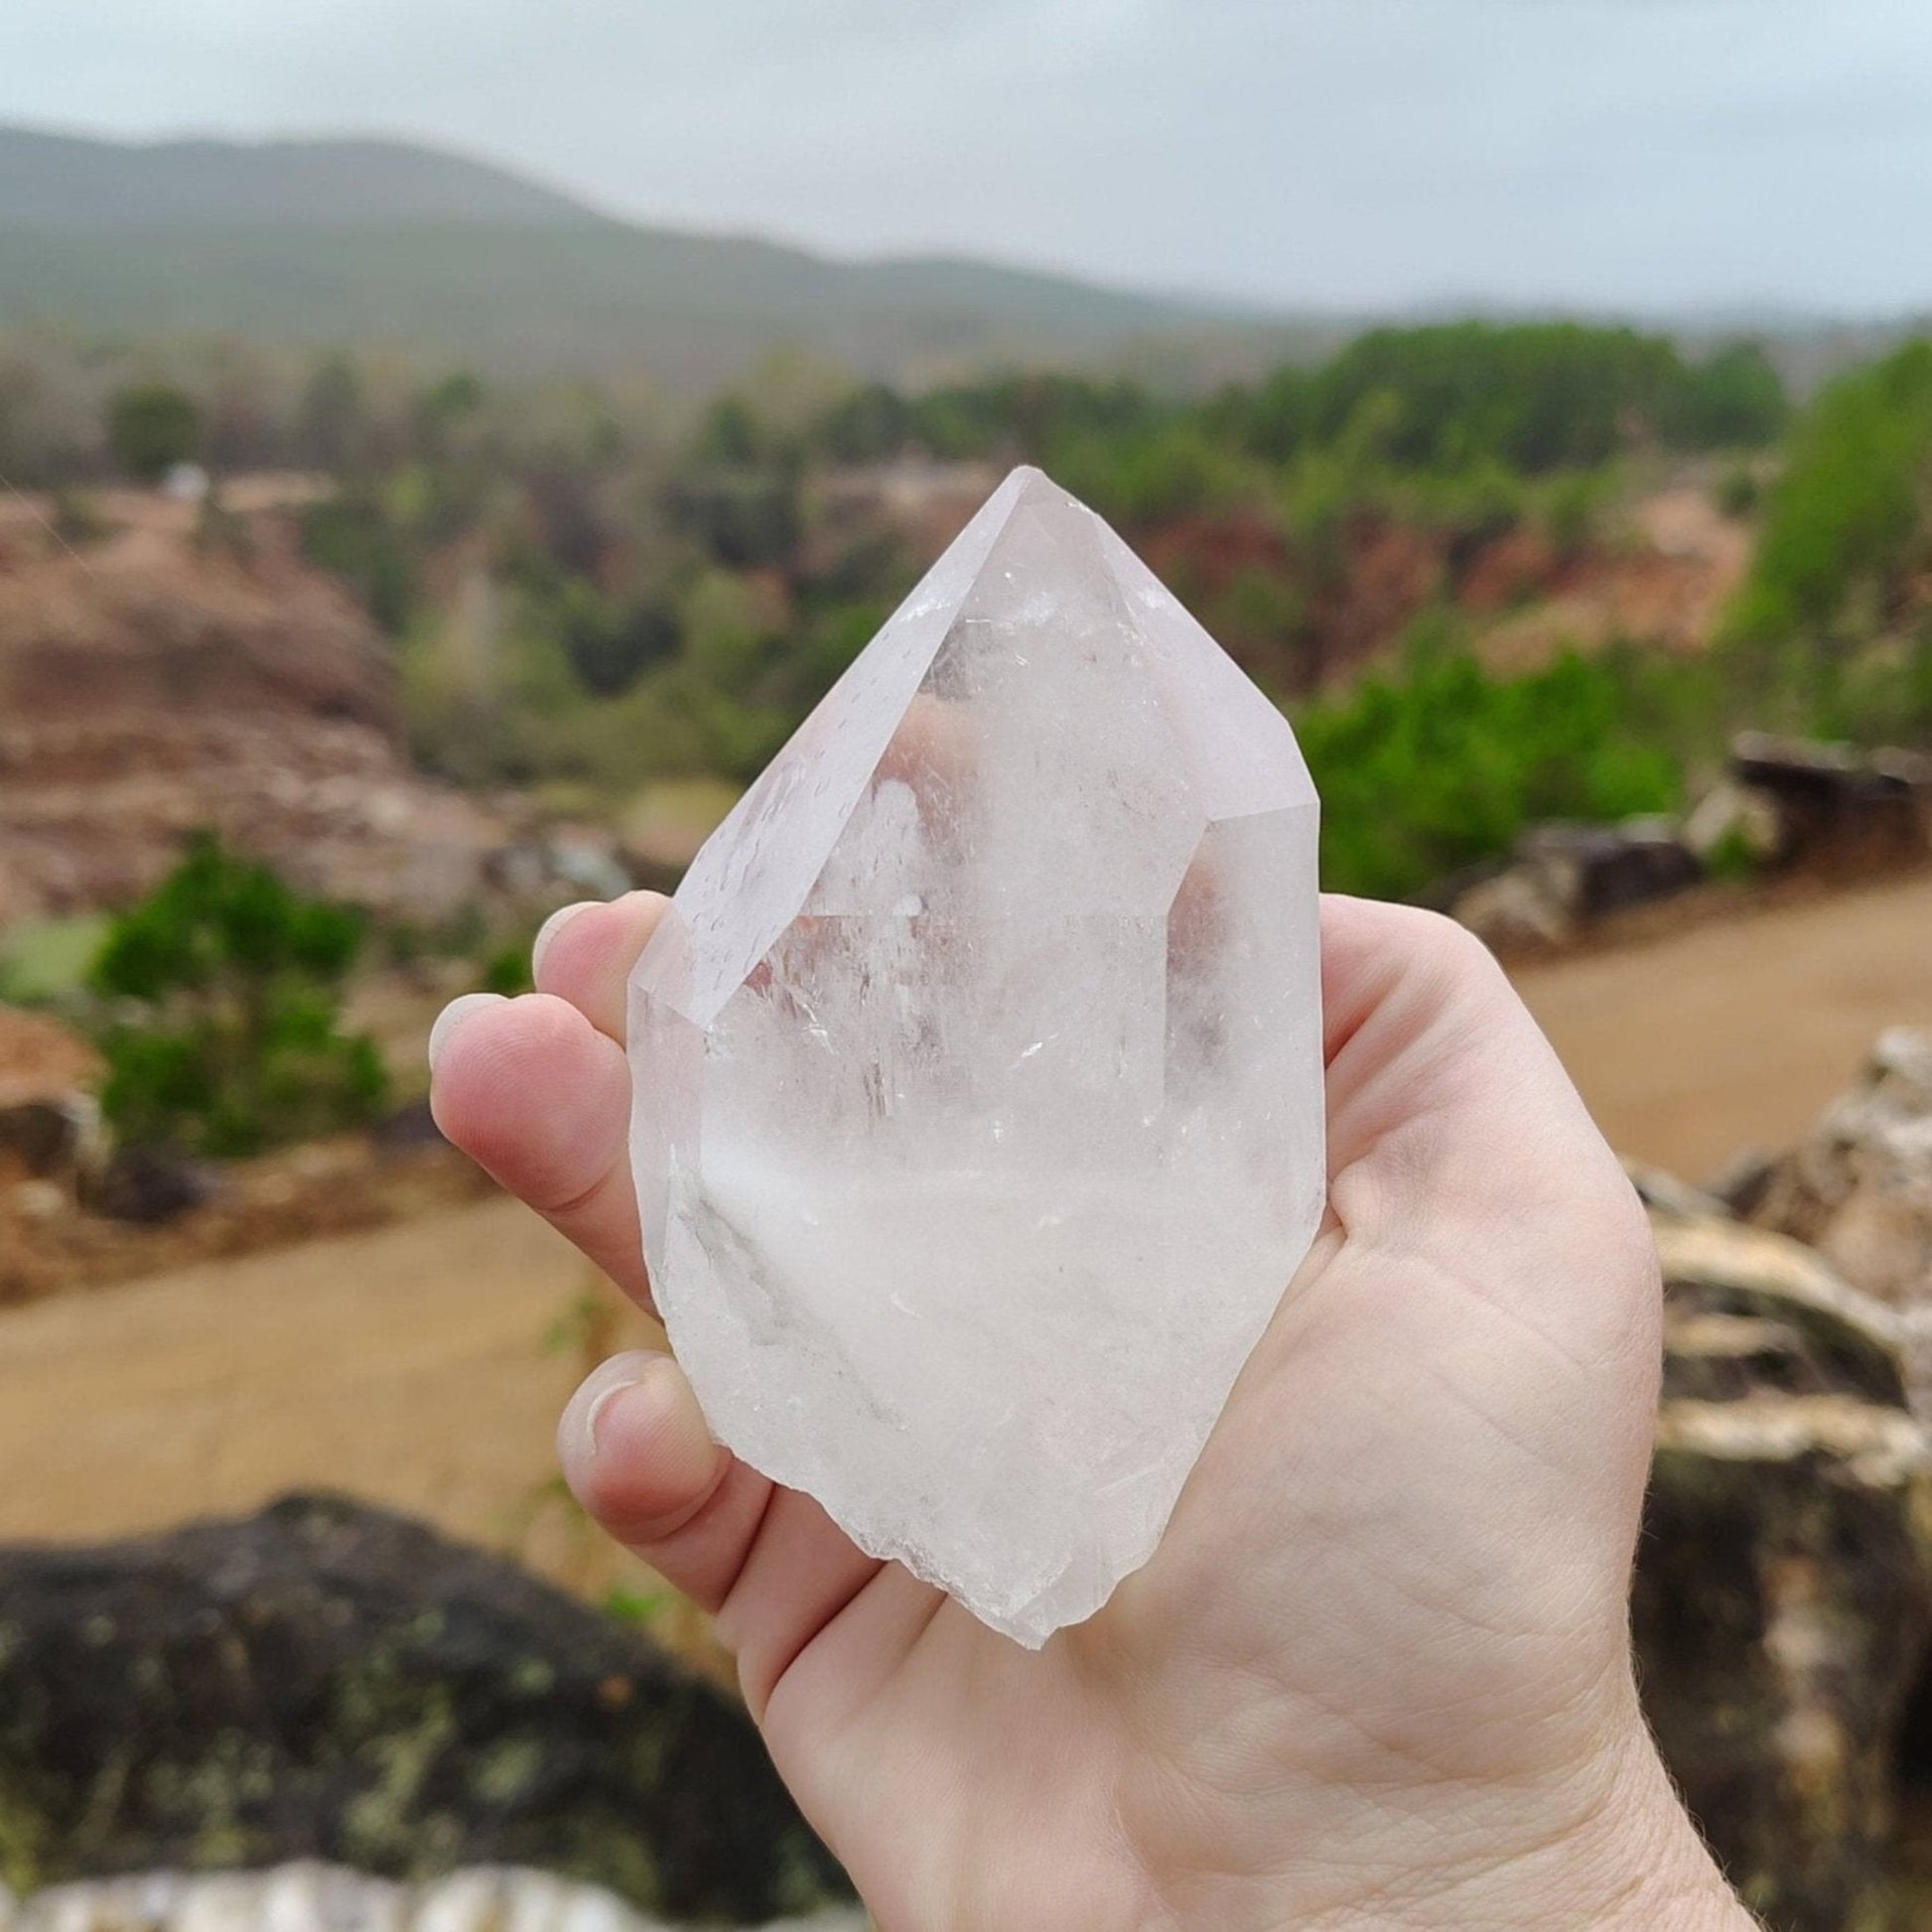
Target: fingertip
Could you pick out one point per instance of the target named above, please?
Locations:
(636, 1450)
(529, 1089)
(585, 953)
(453, 1016)
(550, 929)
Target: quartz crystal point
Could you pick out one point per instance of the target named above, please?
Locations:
(978, 1070)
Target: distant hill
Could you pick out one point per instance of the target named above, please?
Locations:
(66, 182)
(381, 245)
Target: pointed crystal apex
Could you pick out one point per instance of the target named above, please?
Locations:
(978, 1123)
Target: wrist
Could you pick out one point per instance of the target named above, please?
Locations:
(1624, 1858)
(1610, 1848)
(1635, 1862)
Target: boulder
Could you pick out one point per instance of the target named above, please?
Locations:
(1783, 1595)
(1515, 910)
(1665, 1195)
(50, 1122)
(1602, 869)
(1735, 823)
(148, 1186)
(1563, 877)
(328, 1681)
(1858, 1187)
(310, 1896)
(1839, 809)
(48, 1140)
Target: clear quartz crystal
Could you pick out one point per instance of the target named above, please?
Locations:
(978, 1067)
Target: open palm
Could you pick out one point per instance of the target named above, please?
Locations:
(1378, 1672)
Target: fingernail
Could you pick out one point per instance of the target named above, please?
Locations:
(553, 926)
(597, 1409)
(453, 1015)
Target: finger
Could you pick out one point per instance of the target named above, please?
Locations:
(637, 1455)
(1448, 1109)
(1371, 952)
(801, 1572)
(540, 1100)
(585, 953)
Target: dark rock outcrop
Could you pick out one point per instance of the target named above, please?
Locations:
(1783, 1597)
(330, 1681)
(1838, 809)
(1563, 877)
(1858, 1187)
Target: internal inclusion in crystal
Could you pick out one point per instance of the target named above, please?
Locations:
(979, 1117)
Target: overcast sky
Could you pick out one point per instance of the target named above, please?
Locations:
(1650, 154)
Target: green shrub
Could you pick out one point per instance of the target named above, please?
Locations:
(353, 536)
(1738, 493)
(1449, 766)
(224, 992)
(1846, 526)
(610, 645)
(151, 427)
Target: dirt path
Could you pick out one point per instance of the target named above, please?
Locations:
(1692, 1046)
(409, 1364)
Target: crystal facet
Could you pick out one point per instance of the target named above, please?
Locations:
(979, 1110)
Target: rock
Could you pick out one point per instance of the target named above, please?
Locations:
(328, 1681)
(38, 1200)
(1515, 910)
(408, 1129)
(50, 1121)
(1601, 868)
(1732, 821)
(1858, 1187)
(45, 1139)
(1830, 1338)
(1563, 877)
(1743, 1181)
(147, 1185)
(310, 1896)
(1664, 1193)
(1839, 809)
(1783, 1595)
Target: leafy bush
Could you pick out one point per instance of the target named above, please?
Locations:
(612, 646)
(352, 536)
(1846, 524)
(225, 991)
(1738, 493)
(151, 427)
(1449, 765)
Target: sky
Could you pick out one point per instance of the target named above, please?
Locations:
(1651, 155)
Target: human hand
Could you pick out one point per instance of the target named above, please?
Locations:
(1378, 1673)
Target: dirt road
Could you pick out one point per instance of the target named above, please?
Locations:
(409, 1364)
(1736, 1032)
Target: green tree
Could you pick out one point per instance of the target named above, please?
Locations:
(225, 990)
(612, 646)
(1451, 764)
(1847, 527)
(151, 427)
(354, 536)
(333, 423)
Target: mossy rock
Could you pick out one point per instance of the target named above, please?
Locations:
(330, 1681)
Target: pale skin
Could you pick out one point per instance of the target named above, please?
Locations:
(1378, 1673)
